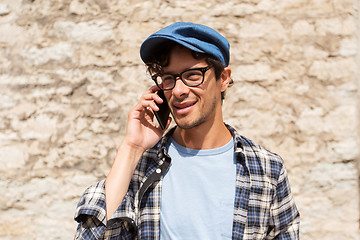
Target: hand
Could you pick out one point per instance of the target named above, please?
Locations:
(141, 132)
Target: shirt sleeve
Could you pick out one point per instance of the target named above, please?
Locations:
(91, 216)
(285, 218)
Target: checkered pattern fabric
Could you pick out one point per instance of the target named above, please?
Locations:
(264, 207)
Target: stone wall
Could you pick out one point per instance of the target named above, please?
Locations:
(70, 70)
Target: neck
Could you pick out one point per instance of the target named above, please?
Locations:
(204, 136)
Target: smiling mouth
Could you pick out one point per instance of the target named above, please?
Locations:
(183, 106)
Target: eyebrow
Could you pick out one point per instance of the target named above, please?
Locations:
(172, 73)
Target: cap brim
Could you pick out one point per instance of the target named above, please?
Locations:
(153, 43)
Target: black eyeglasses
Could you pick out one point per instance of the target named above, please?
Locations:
(192, 77)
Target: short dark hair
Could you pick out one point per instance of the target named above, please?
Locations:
(160, 59)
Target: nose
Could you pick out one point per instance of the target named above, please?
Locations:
(180, 88)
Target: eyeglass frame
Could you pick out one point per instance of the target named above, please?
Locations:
(178, 75)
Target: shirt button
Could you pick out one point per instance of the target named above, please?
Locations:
(158, 170)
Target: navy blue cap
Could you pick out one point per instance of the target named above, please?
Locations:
(196, 37)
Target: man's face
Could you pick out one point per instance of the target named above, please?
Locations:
(193, 106)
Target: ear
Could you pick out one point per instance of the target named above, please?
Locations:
(225, 78)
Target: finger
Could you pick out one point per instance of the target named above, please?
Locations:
(149, 100)
(147, 105)
(156, 99)
(154, 89)
(152, 97)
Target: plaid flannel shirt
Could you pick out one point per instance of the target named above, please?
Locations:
(264, 207)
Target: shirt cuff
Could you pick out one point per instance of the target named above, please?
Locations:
(92, 204)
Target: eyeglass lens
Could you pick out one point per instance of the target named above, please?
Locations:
(191, 78)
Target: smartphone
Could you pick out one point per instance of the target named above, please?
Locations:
(164, 111)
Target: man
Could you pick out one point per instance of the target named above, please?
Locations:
(202, 180)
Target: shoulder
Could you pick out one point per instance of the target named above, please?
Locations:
(260, 162)
(257, 153)
(148, 159)
(154, 154)
(152, 157)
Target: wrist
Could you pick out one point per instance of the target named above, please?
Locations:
(128, 145)
(130, 151)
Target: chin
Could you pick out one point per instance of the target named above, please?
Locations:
(189, 124)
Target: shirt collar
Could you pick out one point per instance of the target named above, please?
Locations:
(238, 145)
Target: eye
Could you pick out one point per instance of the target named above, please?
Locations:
(192, 75)
(167, 77)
